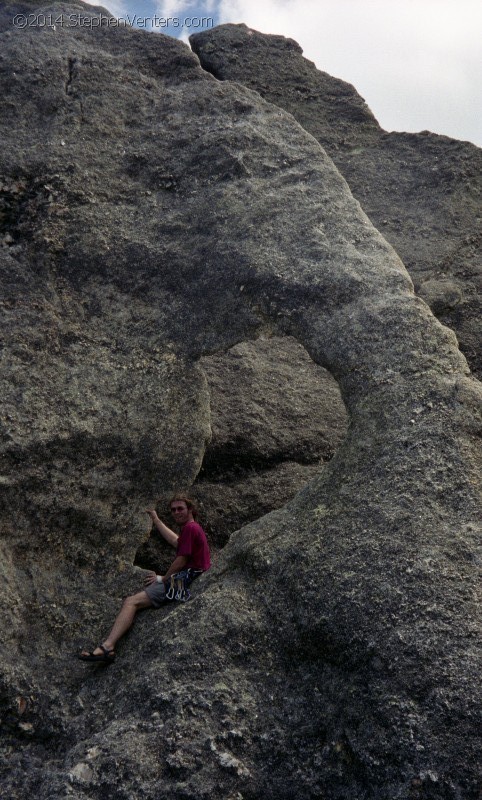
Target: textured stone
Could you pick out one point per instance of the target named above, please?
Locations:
(275, 417)
(422, 191)
(159, 216)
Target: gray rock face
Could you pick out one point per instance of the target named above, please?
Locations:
(153, 216)
(422, 191)
(275, 416)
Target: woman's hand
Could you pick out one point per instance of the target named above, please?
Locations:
(151, 577)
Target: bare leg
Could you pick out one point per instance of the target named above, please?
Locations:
(124, 619)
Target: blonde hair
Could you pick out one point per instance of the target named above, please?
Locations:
(183, 498)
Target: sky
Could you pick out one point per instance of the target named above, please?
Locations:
(417, 63)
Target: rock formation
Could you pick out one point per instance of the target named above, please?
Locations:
(152, 216)
(422, 191)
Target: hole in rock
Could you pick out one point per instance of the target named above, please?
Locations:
(276, 417)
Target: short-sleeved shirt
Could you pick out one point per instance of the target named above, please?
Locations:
(193, 544)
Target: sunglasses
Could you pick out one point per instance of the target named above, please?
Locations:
(177, 508)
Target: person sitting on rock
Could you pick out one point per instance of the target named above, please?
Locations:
(192, 559)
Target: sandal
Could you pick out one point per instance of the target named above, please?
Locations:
(106, 657)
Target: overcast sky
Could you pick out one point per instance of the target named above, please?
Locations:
(417, 63)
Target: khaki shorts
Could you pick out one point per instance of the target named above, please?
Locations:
(156, 593)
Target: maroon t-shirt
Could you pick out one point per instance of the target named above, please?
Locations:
(193, 544)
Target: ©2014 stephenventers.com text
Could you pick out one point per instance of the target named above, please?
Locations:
(52, 20)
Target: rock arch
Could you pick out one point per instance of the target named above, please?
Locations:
(188, 215)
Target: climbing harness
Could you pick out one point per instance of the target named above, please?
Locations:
(179, 584)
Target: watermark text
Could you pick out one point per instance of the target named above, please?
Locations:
(79, 20)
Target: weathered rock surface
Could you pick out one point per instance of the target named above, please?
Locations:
(422, 191)
(151, 216)
(275, 417)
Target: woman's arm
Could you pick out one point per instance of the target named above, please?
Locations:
(170, 537)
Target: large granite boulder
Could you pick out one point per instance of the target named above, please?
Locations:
(151, 216)
(422, 191)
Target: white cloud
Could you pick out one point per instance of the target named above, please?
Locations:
(185, 8)
(174, 8)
